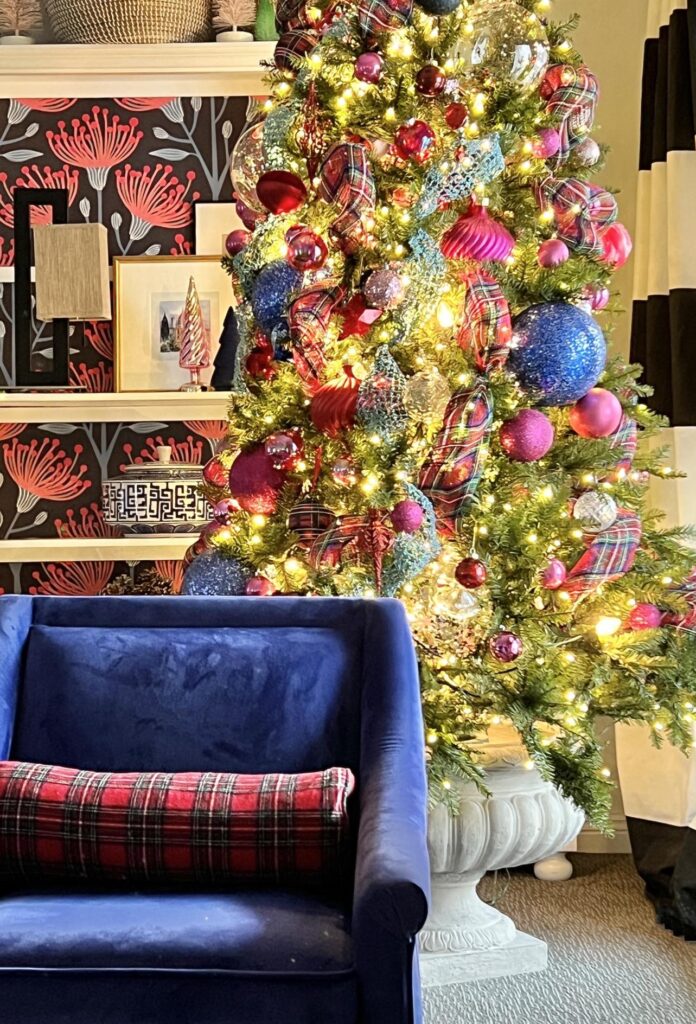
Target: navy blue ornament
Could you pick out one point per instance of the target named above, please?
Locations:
(213, 575)
(559, 352)
(438, 7)
(271, 292)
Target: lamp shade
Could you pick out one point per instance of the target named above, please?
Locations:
(72, 272)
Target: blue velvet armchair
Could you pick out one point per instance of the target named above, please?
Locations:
(238, 685)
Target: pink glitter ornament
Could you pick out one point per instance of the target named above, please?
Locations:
(255, 482)
(506, 647)
(528, 437)
(476, 236)
(546, 144)
(383, 289)
(553, 253)
(407, 516)
(617, 244)
(587, 153)
(598, 414)
(644, 616)
(554, 576)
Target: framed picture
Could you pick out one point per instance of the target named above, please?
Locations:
(213, 223)
(150, 293)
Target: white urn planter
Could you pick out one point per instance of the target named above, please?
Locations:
(522, 821)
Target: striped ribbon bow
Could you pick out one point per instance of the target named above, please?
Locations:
(452, 472)
(486, 327)
(308, 319)
(378, 16)
(347, 181)
(582, 212)
(610, 555)
(571, 95)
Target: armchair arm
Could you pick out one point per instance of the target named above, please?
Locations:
(392, 881)
(15, 620)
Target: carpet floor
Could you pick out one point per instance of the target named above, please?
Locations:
(609, 962)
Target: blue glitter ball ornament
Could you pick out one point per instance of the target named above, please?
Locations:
(559, 353)
(213, 575)
(438, 7)
(270, 293)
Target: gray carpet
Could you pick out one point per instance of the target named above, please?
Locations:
(609, 963)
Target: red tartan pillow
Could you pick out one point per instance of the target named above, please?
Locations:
(204, 829)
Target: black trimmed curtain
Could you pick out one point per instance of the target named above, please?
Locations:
(664, 312)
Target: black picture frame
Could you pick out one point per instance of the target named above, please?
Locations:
(26, 376)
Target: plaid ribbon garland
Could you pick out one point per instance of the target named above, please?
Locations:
(611, 554)
(308, 319)
(625, 440)
(347, 181)
(486, 328)
(688, 590)
(452, 472)
(293, 44)
(202, 828)
(582, 211)
(377, 16)
(354, 538)
(572, 95)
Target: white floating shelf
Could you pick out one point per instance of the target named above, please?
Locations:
(96, 549)
(135, 407)
(174, 69)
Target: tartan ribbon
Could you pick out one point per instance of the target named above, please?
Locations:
(486, 327)
(582, 212)
(572, 95)
(354, 538)
(688, 590)
(377, 16)
(308, 319)
(293, 44)
(610, 555)
(347, 181)
(625, 440)
(452, 472)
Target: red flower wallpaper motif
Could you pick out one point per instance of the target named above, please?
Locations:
(136, 165)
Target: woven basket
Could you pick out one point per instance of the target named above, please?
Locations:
(130, 21)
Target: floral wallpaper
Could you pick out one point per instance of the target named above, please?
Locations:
(136, 165)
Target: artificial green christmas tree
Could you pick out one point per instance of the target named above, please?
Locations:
(423, 407)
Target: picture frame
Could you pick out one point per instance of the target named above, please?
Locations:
(212, 224)
(149, 293)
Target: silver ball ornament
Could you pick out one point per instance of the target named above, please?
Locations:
(595, 511)
(587, 153)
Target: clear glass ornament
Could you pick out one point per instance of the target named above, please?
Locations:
(247, 166)
(509, 42)
(427, 395)
(595, 511)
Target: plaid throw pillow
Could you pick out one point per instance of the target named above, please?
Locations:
(204, 829)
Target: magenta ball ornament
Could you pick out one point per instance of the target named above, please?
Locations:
(306, 250)
(407, 516)
(344, 473)
(506, 647)
(415, 140)
(430, 80)
(259, 586)
(236, 241)
(554, 575)
(598, 414)
(282, 450)
(598, 298)
(528, 437)
(546, 144)
(249, 218)
(224, 510)
(368, 68)
(471, 573)
(255, 482)
(553, 253)
(644, 616)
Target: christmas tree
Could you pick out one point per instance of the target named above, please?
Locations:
(423, 404)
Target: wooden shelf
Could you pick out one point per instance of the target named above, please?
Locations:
(174, 69)
(137, 548)
(134, 407)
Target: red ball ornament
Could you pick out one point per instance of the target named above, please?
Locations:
(407, 516)
(415, 140)
(306, 250)
(455, 115)
(553, 253)
(260, 365)
(471, 573)
(598, 414)
(236, 241)
(528, 436)
(344, 473)
(281, 191)
(506, 647)
(334, 405)
(214, 473)
(283, 450)
(430, 80)
(554, 575)
(618, 244)
(368, 68)
(644, 616)
(259, 586)
(255, 482)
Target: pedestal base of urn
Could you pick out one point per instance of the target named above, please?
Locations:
(554, 869)
(444, 975)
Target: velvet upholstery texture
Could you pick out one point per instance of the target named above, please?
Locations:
(228, 685)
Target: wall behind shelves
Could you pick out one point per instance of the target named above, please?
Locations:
(159, 155)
